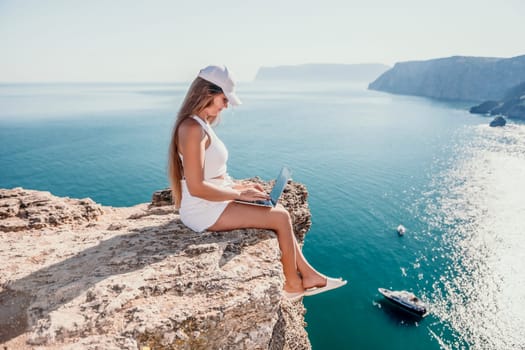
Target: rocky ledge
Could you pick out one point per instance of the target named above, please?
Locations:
(78, 275)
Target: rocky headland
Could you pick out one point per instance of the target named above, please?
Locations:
(512, 105)
(79, 275)
(454, 78)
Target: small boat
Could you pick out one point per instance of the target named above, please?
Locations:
(401, 230)
(406, 300)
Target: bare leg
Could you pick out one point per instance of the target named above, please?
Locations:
(238, 215)
(310, 276)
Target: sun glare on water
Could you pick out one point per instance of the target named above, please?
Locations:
(480, 209)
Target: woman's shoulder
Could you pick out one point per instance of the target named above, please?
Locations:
(190, 124)
(191, 128)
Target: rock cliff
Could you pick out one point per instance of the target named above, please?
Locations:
(78, 275)
(454, 78)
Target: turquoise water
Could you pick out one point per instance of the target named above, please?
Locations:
(371, 161)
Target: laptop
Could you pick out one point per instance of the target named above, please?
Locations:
(278, 187)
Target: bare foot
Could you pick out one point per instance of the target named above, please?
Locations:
(316, 280)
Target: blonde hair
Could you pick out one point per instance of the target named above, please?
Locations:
(199, 96)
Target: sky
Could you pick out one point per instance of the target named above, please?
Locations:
(169, 41)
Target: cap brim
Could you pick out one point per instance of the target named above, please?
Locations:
(233, 99)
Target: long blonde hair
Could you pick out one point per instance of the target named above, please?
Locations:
(199, 96)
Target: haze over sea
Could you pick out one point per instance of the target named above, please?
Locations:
(370, 161)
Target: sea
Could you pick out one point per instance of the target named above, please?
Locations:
(370, 160)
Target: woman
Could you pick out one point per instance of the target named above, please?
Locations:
(205, 194)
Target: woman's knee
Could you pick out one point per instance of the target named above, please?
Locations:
(281, 217)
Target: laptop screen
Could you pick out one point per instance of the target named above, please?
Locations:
(280, 184)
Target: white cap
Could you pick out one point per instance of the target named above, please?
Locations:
(220, 76)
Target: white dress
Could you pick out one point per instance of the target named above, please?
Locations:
(197, 213)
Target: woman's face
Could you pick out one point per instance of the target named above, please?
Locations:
(218, 104)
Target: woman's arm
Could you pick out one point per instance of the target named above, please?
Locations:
(192, 143)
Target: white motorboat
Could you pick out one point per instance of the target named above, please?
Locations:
(406, 300)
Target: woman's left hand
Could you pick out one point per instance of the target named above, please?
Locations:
(256, 186)
(248, 185)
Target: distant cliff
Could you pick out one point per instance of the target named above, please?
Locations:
(454, 78)
(78, 275)
(323, 72)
